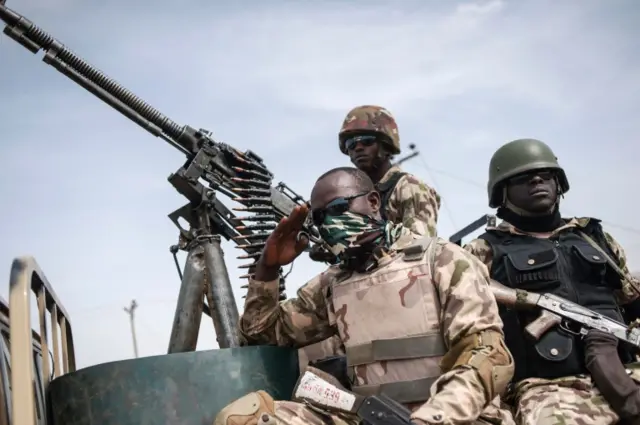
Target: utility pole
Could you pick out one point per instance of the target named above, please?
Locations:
(413, 154)
(131, 312)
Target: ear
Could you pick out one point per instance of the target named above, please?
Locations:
(374, 201)
(383, 152)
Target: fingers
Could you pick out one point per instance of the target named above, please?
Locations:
(298, 217)
(302, 241)
(291, 225)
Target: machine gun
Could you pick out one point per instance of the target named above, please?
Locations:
(211, 168)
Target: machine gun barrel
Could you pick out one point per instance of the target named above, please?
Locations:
(95, 81)
(239, 175)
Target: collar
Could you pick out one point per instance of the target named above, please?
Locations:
(394, 169)
(569, 223)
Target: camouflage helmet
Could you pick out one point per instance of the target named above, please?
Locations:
(370, 118)
(520, 156)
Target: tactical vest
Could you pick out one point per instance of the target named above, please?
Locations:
(389, 322)
(386, 189)
(565, 265)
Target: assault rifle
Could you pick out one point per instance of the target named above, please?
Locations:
(372, 410)
(211, 167)
(557, 311)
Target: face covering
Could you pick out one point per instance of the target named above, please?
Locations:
(348, 230)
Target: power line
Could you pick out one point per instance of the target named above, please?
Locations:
(431, 170)
(436, 186)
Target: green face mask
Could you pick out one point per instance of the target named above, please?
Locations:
(340, 232)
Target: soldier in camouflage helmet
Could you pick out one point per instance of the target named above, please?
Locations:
(535, 249)
(423, 301)
(369, 135)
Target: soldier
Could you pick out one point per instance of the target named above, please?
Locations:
(369, 135)
(533, 248)
(423, 301)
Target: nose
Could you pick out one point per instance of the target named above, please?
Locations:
(536, 179)
(359, 146)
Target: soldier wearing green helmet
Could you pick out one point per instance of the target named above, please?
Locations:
(369, 136)
(537, 250)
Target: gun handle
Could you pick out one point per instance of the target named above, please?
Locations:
(542, 324)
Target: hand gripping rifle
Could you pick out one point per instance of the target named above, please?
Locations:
(557, 311)
(211, 167)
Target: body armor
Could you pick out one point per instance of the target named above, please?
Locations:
(392, 347)
(565, 265)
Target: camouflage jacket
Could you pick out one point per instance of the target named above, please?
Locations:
(476, 366)
(481, 249)
(413, 203)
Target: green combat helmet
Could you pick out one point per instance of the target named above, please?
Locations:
(370, 118)
(520, 156)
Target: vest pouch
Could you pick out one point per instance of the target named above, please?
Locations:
(533, 270)
(555, 346)
(556, 354)
(335, 366)
(590, 263)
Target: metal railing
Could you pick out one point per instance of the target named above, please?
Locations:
(27, 277)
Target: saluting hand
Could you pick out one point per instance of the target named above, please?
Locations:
(283, 245)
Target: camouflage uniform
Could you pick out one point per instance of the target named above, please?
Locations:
(426, 289)
(571, 400)
(411, 202)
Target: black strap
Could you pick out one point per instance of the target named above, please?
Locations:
(385, 189)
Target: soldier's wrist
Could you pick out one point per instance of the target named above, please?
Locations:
(266, 273)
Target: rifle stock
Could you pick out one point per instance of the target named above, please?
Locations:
(516, 298)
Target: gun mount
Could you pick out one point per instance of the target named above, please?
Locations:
(211, 168)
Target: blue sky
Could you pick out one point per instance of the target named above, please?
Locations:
(84, 189)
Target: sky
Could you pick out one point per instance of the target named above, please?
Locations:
(85, 190)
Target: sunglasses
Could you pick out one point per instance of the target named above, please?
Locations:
(336, 207)
(366, 140)
(527, 177)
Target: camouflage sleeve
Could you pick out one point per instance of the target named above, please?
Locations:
(480, 249)
(296, 322)
(416, 206)
(477, 366)
(630, 285)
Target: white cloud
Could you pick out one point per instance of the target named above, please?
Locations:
(85, 190)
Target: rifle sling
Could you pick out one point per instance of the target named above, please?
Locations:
(606, 256)
(610, 262)
(413, 347)
(417, 390)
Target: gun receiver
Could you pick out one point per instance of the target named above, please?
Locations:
(212, 167)
(557, 310)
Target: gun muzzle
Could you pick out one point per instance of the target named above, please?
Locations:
(18, 28)
(9, 16)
